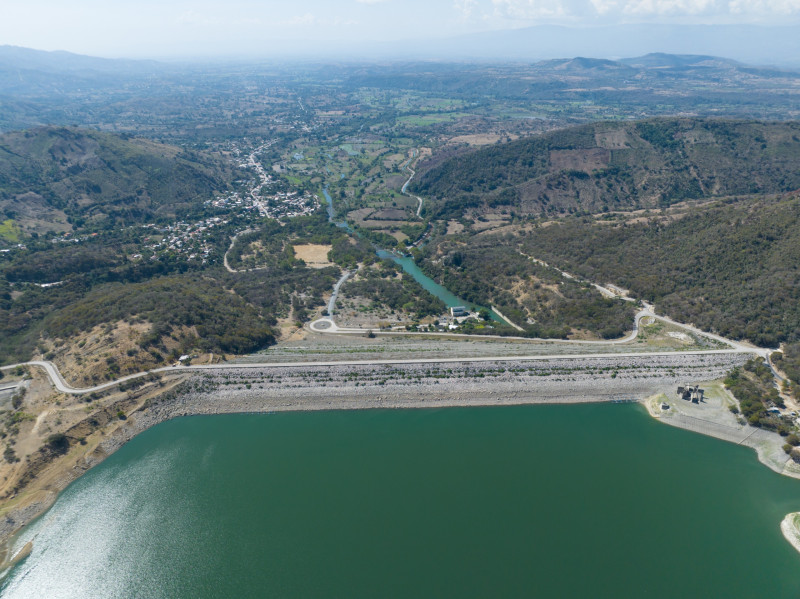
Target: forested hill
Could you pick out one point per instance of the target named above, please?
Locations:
(618, 165)
(63, 178)
(730, 267)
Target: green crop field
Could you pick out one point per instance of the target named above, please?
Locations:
(9, 231)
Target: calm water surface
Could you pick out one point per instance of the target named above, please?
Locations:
(409, 266)
(534, 501)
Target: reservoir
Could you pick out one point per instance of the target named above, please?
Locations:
(593, 500)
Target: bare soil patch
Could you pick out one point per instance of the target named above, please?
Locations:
(580, 160)
(313, 254)
(492, 222)
(478, 139)
(389, 214)
(454, 227)
(398, 235)
(615, 139)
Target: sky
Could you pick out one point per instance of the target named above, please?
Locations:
(182, 28)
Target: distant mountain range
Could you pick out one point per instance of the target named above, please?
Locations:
(28, 71)
(755, 44)
(778, 46)
(551, 50)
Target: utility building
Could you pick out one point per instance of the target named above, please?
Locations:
(691, 393)
(457, 311)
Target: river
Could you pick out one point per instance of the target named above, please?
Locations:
(409, 266)
(533, 501)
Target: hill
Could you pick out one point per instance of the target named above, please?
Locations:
(60, 178)
(750, 43)
(610, 166)
(728, 267)
(678, 61)
(25, 71)
(146, 312)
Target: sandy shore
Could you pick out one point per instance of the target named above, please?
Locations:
(790, 527)
(556, 381)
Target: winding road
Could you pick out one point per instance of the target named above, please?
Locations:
(62, 386)
(230, 247)
(335, 294)
(327, 325)
(403, 189)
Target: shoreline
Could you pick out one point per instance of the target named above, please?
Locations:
(790, 527)
(767, 444)
(187, 405)
(212, 393)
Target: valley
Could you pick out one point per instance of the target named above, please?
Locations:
(305, 237)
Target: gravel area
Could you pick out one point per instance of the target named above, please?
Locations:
(420, 385)
(349, 347)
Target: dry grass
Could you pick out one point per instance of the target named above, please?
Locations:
(398, 235)
(580, 160)
(313, 254)
(454, 227)
(480, 139)
(492, 222)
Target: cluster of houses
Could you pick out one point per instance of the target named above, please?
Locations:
(281, 204)
(191, 240)
(288, 204)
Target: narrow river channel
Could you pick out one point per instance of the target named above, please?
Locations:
(409, 266)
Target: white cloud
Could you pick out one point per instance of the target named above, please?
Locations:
(301, 20)
(530, 9)
(310, 20)
(674, 7)
(192, 18)
(603, 7)
(533, 10)
(779, 7)
(465, 8)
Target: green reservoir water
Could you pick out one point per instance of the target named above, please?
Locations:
(535, 501)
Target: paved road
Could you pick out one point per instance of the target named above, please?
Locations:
(328, 326)
(61, 385)
(405, 185)
(233, 242)
(335, 294)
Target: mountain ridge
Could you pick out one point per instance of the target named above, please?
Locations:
(60, 178)
(606, 166)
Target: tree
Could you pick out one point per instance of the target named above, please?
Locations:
(58, 443)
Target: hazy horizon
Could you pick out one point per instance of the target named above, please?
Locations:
(247, 28)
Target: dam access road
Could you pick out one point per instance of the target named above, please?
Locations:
(327, 326)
